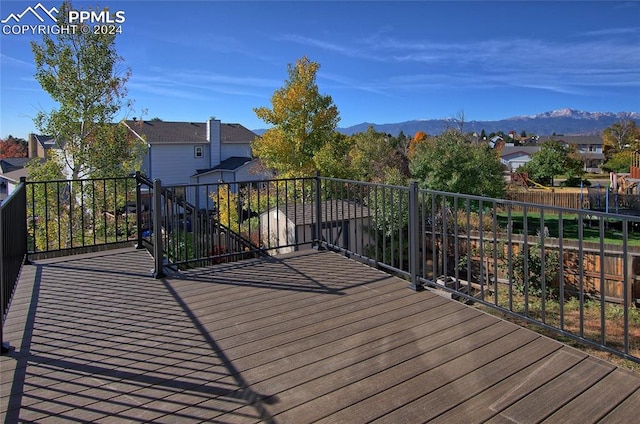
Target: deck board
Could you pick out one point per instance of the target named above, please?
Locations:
(305, 337)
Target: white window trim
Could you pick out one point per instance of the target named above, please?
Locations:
(198, 152)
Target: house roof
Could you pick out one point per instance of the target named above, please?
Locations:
(12, 164)
(13, 169)
(520, 150)
(15, 175)
(236, 133)
(332, 211)
(230, 164)
(595, 140)
(47, 142)
(161, 132)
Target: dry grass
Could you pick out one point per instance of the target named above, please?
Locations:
(592, 324)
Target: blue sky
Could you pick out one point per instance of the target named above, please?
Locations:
(381, 62)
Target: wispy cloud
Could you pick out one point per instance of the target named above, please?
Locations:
(613, 31)
(12, 61)
(563, 67)
(345, 50)
(198, 85)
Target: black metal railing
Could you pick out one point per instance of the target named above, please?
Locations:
(13, 248)
(202, 224)
(574, 272)
(71, 215)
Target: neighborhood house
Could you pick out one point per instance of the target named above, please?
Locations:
(196, 152)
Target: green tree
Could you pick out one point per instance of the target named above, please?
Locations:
(47, 212)
(330, 158)
(80, 71)
(450, 163)
(401, 143)
(553, 159)
(303, 122)
(622, 135)
(619, 162)
(372, 156)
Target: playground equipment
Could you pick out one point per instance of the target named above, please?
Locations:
(522, 179)
(626, 184)
(635, 165)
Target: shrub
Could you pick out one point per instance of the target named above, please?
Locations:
(575, 182)
(531, 282)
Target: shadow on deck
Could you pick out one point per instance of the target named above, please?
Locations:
(306, 337)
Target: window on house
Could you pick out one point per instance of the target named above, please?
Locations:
(198, 151)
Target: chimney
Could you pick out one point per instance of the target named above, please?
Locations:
(213, 137)
(33, 146)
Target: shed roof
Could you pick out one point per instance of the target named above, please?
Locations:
(331, 210)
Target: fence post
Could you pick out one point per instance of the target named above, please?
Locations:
(139, 244)
(158, 271)
(413, 235)
(318, 213)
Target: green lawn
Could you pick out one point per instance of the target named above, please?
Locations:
(570, 224)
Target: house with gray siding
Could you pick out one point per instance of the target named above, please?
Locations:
(513, 157)
(589, 147)
(196, 152)
(11, 170)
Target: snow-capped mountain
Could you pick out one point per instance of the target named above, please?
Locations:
(564, 121)
(579, 114)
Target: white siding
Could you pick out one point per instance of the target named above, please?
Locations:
(514, 161)
(235, 149)
(174, 164)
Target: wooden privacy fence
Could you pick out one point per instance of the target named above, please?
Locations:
(594, 199)
(579, 276)
(562, 200)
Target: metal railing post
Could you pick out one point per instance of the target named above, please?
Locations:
(23, 197)
(413, 236)
(158, 257)
(13, 249)
(139, 243)
(4, 289)
(318, 213)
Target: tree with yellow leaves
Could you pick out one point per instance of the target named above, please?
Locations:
(620, 136)
(303, 120)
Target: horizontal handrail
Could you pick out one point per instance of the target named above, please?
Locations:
(566, 270)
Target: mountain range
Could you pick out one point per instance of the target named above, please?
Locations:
(562, 121)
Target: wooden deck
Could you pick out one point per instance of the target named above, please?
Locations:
(307, 337)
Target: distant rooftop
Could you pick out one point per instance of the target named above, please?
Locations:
(159, 132)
